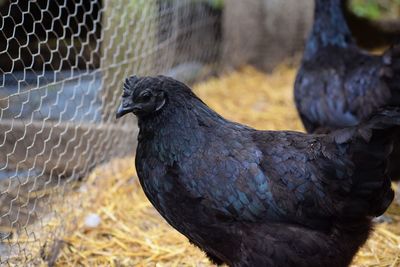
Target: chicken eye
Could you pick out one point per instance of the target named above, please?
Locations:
(145, 96)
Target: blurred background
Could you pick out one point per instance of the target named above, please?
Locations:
(64, 159)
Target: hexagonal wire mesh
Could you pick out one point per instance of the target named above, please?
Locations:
(62, 65)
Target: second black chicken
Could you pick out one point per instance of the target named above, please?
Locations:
(338, 84)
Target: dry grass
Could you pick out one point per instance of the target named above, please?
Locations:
(131, 233)
(254, 98)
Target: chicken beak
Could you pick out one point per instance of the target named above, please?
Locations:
(123, 110)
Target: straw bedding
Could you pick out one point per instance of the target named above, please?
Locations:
(127, 231)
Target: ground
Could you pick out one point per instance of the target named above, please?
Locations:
(111, 223)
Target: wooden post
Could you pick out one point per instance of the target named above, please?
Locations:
(264, 32)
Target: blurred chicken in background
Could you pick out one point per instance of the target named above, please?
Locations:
(338, 84)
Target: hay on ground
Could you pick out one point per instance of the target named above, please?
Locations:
(131, 233)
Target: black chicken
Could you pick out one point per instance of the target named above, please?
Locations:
(258, 198)
(338, 84)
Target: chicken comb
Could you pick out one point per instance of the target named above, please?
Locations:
(130, 83)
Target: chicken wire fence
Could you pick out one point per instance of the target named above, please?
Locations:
(62, 66)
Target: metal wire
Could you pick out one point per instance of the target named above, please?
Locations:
(62, 65)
